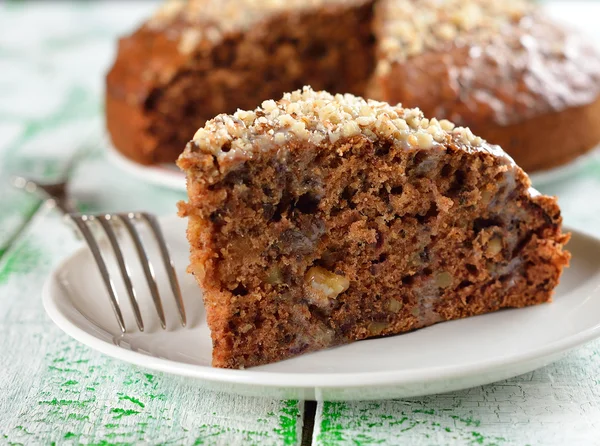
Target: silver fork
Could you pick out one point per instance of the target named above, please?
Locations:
(57, 194)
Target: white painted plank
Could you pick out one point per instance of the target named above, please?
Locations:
(556, 405)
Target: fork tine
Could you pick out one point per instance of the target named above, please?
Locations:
(169, 266)
(146, 265)
(105, 221)
(80, 221)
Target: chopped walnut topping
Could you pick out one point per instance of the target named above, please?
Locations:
(318, 117)
(412, 140)
(425, 140)
(446, 125)
(169, 10)
(189, 40)
(413, 27)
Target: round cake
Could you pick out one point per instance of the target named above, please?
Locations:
(504, 69)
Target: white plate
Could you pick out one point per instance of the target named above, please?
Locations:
(448, 356)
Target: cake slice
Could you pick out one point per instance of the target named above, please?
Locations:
(320, 220)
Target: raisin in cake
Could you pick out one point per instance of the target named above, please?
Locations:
(320, 220)
(503, 68)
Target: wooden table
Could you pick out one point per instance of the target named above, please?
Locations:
(56, 391)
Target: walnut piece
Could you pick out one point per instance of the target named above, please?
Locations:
(395, 305)
(274, 276)
(376, 328)
(326, 283)
(443, 279)
(486, 197)
(494, 246)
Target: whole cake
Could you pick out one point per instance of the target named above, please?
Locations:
(320, 220)
(501, 67)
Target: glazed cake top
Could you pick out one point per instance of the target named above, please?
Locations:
(413, 27)
(505, 61)
(319, 118)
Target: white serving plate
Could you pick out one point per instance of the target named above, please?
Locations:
(446, 357)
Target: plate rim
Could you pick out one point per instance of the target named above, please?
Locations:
(295, 380)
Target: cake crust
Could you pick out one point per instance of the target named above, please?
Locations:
(319, 220)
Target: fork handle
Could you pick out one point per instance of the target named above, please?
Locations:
(55, 193)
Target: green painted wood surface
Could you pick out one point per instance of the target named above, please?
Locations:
(556, 405)
(56, 391)
(53, 389)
